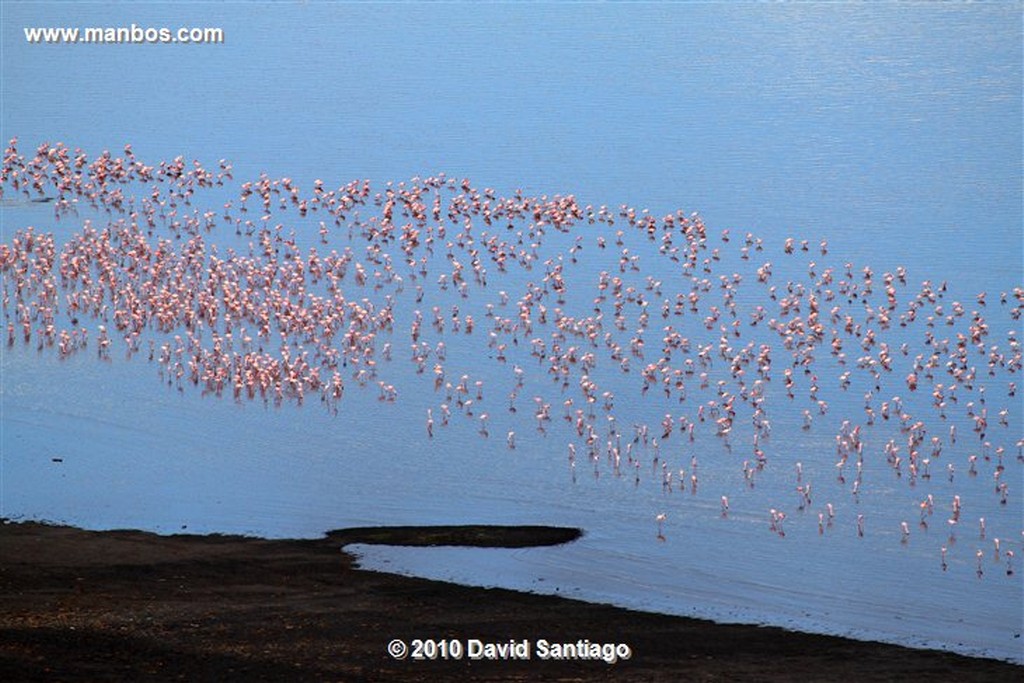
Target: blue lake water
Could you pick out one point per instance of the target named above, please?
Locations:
(893, 132)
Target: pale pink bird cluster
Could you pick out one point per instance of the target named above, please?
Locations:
(394, 269)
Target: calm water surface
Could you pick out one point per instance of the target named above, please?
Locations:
(893, 132)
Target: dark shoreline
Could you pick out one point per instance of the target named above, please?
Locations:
(128, 605)
(467, 535)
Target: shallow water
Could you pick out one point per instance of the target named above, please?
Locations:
(894, 149)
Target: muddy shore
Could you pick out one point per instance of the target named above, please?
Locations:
(127, 605)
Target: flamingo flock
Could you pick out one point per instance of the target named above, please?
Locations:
(632, 336)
